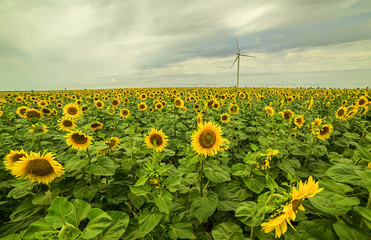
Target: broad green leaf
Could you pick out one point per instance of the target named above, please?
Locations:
(217, 174)
(75, 163)
(99, 146)
(141, 181)
(183, 230)
(58, 211)
(271, 184)
(249, 214)
(137, 201)
(333, 186)
(164, 168)
(227, 230)
(103, 167)
(148, 221)
(203, 207)
(25, 210)
(44, 198)
(114, 231)
(163, 201)
(366, 155)
(79, 212)
(347, 232)
(173, 182)
(82, 190)
(255, 184)
(99, 220)
(22, 188)
(365, 175)
(39, 229)
(139, 191)
(345, 173)
(240, 169)
(365, 213)
(315, 229)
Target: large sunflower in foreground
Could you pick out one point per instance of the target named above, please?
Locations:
(325, 131)
(38, 167)
(78, 140)
(111, 143)
(72, 110)
(13, 157)
(279, 224)
(207, 140)
(156, 137)
(66, 124)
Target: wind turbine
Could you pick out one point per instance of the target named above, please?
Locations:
(238, 63)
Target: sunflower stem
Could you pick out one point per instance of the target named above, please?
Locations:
(289, 132)
(252, 234)
(362, 225)
(201, 175)
(310, 152)
(89, 157)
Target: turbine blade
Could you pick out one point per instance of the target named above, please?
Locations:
(238, 46)
(234, 61)
(247, 55)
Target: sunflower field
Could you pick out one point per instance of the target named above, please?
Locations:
(186, 163)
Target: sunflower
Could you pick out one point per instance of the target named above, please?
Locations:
(199, 119)
(36, 128)
(233, 109)
(112, 143)
(269, 110)
(142, 106)
(115, 103)
(21, 111)
(287, 114)
(33, 113)
(13, 157)
(216, 105)
(269, 155)
(94, 126)
(42, 103)
(158, 138)
(179, 103)
(78, 140)
(317, 122)
(72, 110)
(299, 121)
(362, 101)
(341, 113)
(66, 124)
(224, 118)
(46, 111)
(207, 140)
(125, 113)
(325, 131)
(40, 167)
(99, 104)
(158, 106)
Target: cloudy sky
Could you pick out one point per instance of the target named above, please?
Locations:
(78, 44)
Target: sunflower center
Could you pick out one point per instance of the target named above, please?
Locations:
(95, 125)
(156, 137)
(125, 112)
(16, 157)
(67, 123)
(207, 139)
(99, 104)
(224, 117)
(79, 138)
(341, 112)
(23, 110)
(72, 111)
(111, 143)
(361, 101)
(296, 203)
(287, 115)
(39, 167)
(33, 114)
(324, 130)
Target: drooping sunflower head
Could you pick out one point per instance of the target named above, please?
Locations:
(142, 106)
(94, 126)
(224, 118)
(125, 113)
(156, 138)
(269, 110)
(21, 111)
(207, 140)
(72, 110)
(66, 124)
(111, 143)
(33, 113)
(299, 121)
(38, 167)
(39, 128)
(341, 113)
(325, 131)
(78, 140)
(13, 157)
(99, 104)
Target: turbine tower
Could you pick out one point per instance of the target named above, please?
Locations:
(238, 63)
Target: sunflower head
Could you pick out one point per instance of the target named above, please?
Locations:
(156, 140)
(287, 114)
(99, 104)
(362, 101)
(72, 110)
(38, 167)
(94, 126)
(179, 103)
(111, 143)
(13, 157)
(33, 113)
(125, 113)
(207, 140)
(299, 121)
(21, 111)
(325, 131)
(39, 128)
(66, 124)
(78, 140)
(224, 118)
(269, 110)
(115, 103)
(142, 106)
(341, 113)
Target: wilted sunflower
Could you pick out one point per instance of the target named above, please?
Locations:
(325, 131)
(269, 110)
(66, 124)
(156, 136)
(72, 110)
(299, 121)
(112, 143)
(224, 118)
(40, 167)
(207, 140)
(96, 126)
(78, 140)
(287, 114)
(13, 157)
(125, 113)
(341, 113)
(36, 128)
(99, 104)
(33, 113)
(142, 106)
(21, 111)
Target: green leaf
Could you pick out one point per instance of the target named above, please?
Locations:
(333, 186)
(44, 198)
(114, 231)
(314, 229)
(240, 169)
(183, 230)
(58, 211)
(141, 181)
(255, 184)
(347, 232)
(173, 182)
(227, 230)
(249, 214)
(82, 190)
(271, 184)
(364, 212)
(345, 173)
(99, 220)
(366, 155)
(217, 174)
(39, 229)
(254, 147)
(148, 221)
(103, 167)
(75, 163)
(139, 191)
(22, 188)
(99, 146)
(365, 175)
(203, 207)
(333, 203)
(164, 168)
(79, 212)
(137, 201)
(164, 201)
(25, 210)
